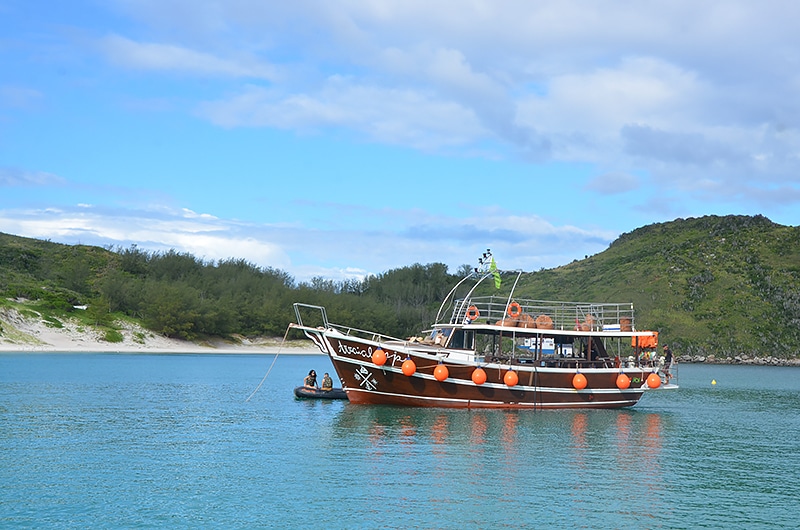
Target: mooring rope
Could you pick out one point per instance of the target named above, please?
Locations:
(270, 366)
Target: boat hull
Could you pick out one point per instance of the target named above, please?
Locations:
(316, 393)
(537, 388)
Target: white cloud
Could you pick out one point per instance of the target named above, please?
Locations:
(10, 176)
(179, 59)
(204, 236)
(390, 115)
(519, 242)
(600, 102)
(553, 79)
(526, 242)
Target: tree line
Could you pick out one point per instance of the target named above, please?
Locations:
(179, 295)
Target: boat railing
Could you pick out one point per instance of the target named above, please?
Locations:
(368, 335)
(316, 316)
(545, 314)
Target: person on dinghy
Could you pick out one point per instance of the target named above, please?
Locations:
(311, 380)
(327, 382)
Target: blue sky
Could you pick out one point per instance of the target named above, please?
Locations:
(339, 139)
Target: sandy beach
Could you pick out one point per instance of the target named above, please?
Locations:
(19, 333)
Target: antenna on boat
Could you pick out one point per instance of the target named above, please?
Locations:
(482, 271)
(484, 261)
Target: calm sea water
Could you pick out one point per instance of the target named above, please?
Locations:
(149, 441)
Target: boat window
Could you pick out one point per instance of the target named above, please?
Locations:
(462, 339)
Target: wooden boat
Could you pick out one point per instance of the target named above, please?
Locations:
(317, 393)
(494, 352)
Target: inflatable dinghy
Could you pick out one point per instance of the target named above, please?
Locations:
(316, 393)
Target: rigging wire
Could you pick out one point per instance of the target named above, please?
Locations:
(270, 366)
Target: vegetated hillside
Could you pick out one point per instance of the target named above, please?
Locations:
(58, 275)
(178, 295)
(173, 294)
(723, 285)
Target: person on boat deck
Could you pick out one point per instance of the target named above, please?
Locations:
(667, 362)
(311, 380)
(327, 382)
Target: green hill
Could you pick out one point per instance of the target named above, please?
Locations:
(722, 285)
(712, 285)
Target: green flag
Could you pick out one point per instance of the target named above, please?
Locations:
(493, 270)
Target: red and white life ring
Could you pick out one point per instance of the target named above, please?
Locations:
(514, 310)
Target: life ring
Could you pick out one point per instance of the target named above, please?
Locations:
(514, 310)
(473, 313)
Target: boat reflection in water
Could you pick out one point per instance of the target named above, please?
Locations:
(566, 460)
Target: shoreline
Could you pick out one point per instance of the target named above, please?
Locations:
(26, 335)
(179, 348)
(738, 360)
(30, 335)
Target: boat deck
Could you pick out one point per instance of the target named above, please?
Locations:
(543, 314)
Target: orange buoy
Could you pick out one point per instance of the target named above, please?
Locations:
(479, 376)
(514, 310)
(653, 381)
(579, 381)
(440, 373)
(409, 367)
(473, 313)
(379, 357)
(511, 378)
(623, 381)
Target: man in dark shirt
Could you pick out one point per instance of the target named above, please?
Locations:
(667, 362)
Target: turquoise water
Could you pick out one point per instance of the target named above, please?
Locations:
(149, 441)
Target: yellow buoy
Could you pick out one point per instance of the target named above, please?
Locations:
(713, 381)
